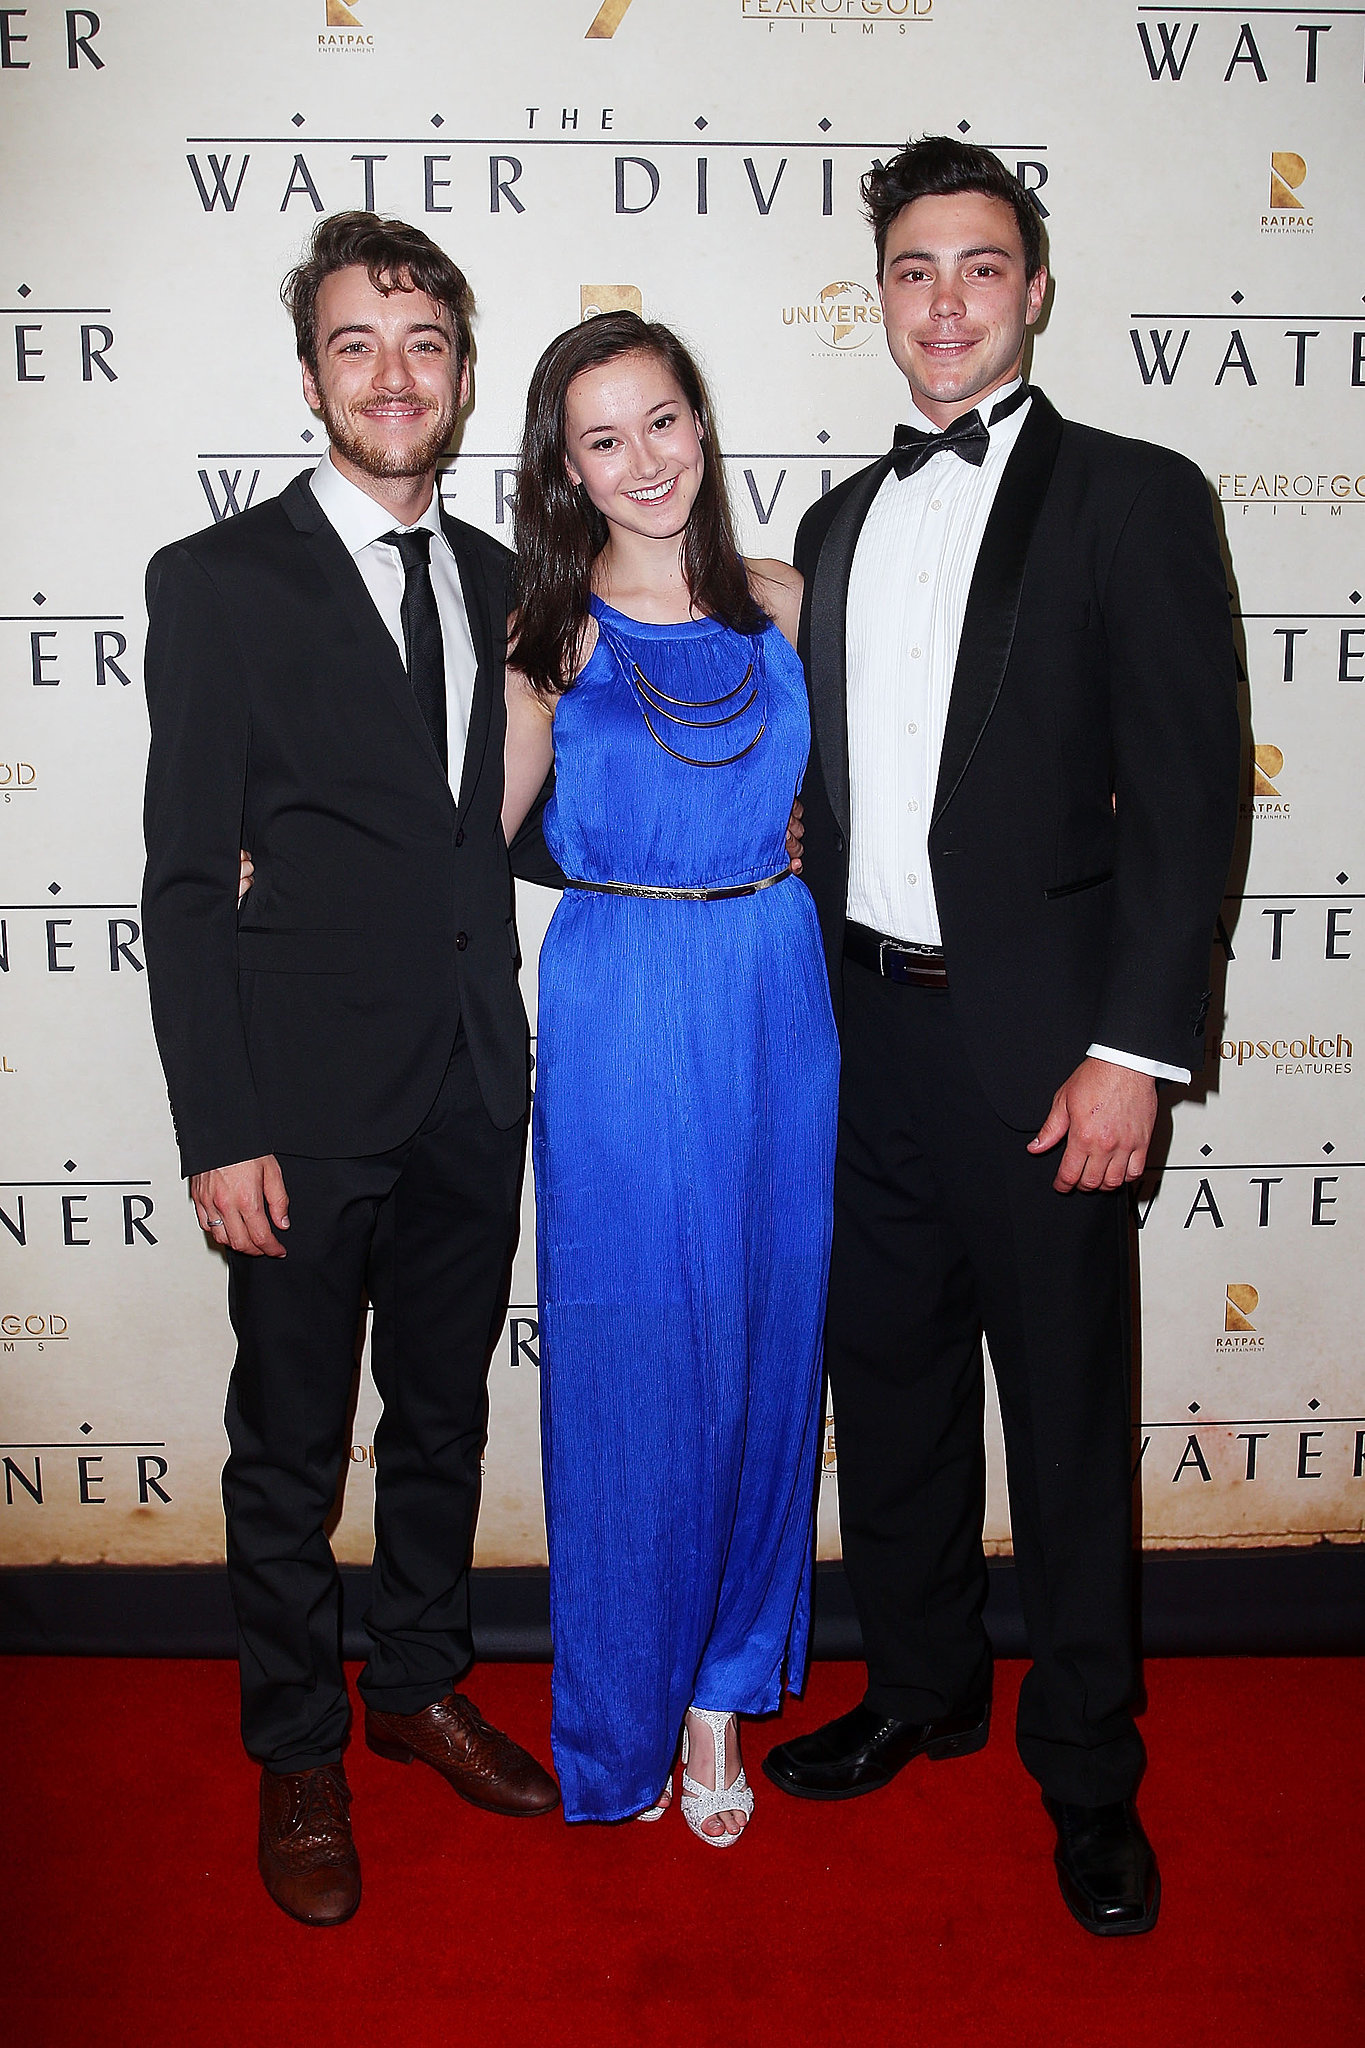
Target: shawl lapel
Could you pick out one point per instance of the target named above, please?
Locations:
(828, 635)
(993, 602)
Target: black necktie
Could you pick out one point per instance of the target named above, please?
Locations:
(422, 632)
(967, 436)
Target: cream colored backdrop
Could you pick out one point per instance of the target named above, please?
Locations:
(162, 164)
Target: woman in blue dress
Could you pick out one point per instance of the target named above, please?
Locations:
(684, 1123)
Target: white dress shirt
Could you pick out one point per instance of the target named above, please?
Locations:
(361, 523)
(907, 598)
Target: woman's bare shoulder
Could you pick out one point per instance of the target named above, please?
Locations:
(517, 679)
(777, 587)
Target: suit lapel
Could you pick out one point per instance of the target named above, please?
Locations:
(379, 655)
(488, 640)
(993, 602)
(828, 635)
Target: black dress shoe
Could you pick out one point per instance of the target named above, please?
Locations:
(862, 1751)
(1105, 1867)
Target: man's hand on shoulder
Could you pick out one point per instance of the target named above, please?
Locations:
(1105, 1113)
(237, 1204)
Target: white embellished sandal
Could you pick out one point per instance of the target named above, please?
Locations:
(662, 1803)
(700, 1802)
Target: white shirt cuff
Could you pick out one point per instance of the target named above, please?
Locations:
(1155, 1068)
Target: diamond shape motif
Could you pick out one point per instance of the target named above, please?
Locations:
(825, 125)
(438, 120)
(54, 888)
(822, 437)
(25, 291)
(1329, 1148)
(307, 434)
(1204, 1151)
(700, 122)
(1194, 1407)
(297, 120)
(1355, 597)
(1237, 298)
(39, 597)
(963, 126)
(1343, 876)
(70, 1165)
(86, 1428)
(1313, 1407)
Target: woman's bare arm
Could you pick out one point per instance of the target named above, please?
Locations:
(777, 587)
(529, 751)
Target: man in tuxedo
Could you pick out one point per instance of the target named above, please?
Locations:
(346, 1056)
(1018, 819)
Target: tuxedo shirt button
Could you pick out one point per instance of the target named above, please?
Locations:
(912, 879)
(936, 504)
(913, 804)
(914, 654)
(461, 941)
(912, 727)
(924, 575)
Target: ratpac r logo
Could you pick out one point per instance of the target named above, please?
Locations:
(594, 299)
(1287, 173)
(1241, 1300)
(1268, 763)
(1287, 213)
(607, 20)
(348, 36)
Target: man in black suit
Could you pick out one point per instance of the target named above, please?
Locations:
(346, 1056)
(1019, 815)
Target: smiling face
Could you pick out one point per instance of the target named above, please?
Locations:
(634, 443)
(389, 383)
(956, 301)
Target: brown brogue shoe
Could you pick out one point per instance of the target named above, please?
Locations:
(485, 1767)
(306, 1856)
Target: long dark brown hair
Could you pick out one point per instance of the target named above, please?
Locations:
(560, 532)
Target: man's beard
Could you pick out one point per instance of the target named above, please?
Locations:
(380, 459)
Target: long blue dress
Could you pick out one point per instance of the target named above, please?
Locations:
(684, 1129)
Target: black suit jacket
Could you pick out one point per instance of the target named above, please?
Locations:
(321, 1018)
(1087, 795)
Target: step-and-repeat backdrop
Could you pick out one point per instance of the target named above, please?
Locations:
(163, 161)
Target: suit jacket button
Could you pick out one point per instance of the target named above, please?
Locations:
(459, 836)
(461, 941)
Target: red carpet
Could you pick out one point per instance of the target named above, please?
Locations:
(927, 1914)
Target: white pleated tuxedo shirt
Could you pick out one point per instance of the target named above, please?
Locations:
(907, 598)
(361, 523)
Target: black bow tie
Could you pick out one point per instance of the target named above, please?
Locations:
(967, 436)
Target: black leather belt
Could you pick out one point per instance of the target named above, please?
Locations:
(896, 959)
(700, 895)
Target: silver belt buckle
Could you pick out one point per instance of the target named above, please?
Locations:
(907, 950)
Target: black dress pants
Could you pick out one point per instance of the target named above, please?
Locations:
(427, 1231)
(944, 1225)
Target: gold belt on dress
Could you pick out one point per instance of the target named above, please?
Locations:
(685, 895)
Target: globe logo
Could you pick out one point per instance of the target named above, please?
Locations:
(845, 315)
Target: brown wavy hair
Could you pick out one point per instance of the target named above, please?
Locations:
(560, 532)
(397, 258)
